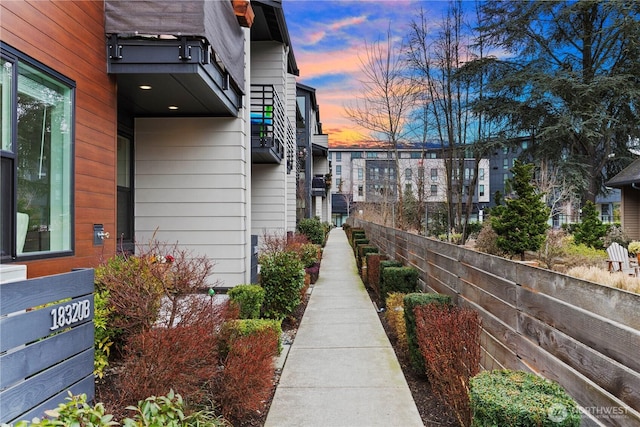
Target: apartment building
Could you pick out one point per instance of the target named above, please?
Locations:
(369, 175)
(129, 121)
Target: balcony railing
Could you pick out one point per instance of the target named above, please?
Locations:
(267, 125)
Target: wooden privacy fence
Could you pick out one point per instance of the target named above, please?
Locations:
(45, 350)
(583, 335)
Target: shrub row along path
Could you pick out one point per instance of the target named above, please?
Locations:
(341, 369)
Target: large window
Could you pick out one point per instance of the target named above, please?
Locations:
(36, 109)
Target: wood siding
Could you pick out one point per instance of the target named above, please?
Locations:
(631, 212)
(583, 335)
(191, 188)
(68, 36)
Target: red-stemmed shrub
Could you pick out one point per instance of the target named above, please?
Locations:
(449, 340)
(246, 380)
(183, 357)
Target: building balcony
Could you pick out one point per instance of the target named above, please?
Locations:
(268, 125)
(173, 58)
(318, 186)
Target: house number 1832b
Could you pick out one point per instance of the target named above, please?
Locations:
(69, 314)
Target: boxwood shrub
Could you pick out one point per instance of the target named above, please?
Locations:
(249, 298)
(398, 279)
(384, 264)
(363, 250)
(517, 398)
(411, 301)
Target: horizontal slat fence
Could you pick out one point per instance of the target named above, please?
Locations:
(46, 343)
(583, 335)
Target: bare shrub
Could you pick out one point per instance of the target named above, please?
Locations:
(486, 240)
(553, 248)
(449, 340)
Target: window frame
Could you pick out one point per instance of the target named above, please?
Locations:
(18, 59)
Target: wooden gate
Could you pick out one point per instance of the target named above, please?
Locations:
(46, 343)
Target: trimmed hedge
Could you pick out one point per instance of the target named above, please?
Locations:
(398, 279)
(382, 296)
(233, 329)
(517, 398)
(373, 272)
(363, 250)
(249, 298)
(411, 301)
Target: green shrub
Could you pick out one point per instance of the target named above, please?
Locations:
(356, 233)
(313, 229)
(282, 277)
(363, 250)
(249, 298)
(103, 334)
(398, 279)
(590, 231)
(309, 254)
(516, 398)
(359, 241)
(161, 411)
(233, 329)
(384, 264)
(411, 301)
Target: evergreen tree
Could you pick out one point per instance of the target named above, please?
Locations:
(591, 230)
(521, 223)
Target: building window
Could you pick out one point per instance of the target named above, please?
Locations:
(372, 155)
(407, 174)
(431, 155)
(505, 163)
(481, 174)
(525, 145)
(481, 190)
(356, 155)
(338, 156)
(360, 190)
(338, 183)
(434, 174)
(37, 165)
(416, 155)
(434, 190)
(338, 170)
(360, 174)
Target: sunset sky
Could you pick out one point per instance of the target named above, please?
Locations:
(328, 38)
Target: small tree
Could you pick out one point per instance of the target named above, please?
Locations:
(591, 231)
(521, 223)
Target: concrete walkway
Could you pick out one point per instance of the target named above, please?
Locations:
(341, 369)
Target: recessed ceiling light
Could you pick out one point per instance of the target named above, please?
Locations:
(145, 87)
(173, 107)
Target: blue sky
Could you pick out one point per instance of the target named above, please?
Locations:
(328, 37)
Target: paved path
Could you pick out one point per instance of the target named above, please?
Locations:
(341, 369)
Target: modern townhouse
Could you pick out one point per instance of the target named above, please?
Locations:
(129, 121)
(314, 168)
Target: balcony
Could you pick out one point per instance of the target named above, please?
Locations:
(318, 186)
(171, 58)
(268, 127)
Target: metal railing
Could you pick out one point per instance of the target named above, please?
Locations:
(267, 120)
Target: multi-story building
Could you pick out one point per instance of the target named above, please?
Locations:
(369, 175)
(314, 168)
(127, 121)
